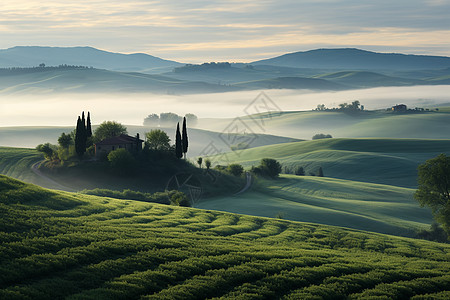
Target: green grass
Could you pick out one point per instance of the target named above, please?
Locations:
(74, 246)
(384, 161)
(359, 205)
(17, 162)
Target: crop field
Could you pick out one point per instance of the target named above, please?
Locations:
(16, 162)
(75, 246)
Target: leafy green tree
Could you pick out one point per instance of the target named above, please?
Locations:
(178, 198)
(109, 129)
(321, 136)
(65, 140)
(200, 161)
(168, 119)
(122, 161)
(48, 150)
(184, 138)
(151, 120)
(235, 169)
(300, 171)
(208, 163)
(158, 140)
(434, 188)
(268, 167)
(178, 143)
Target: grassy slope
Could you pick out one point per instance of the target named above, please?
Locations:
(57, 245)
(359, 205)
(385, 161)
(303, 125)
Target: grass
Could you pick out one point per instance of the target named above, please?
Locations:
(359, 205)
(74, 246)
(17, 162)
(384, 161)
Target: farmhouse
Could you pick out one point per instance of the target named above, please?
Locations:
(399, 108)
(132, 144)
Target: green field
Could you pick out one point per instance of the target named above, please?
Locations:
(63, 245)
(351, 204)
(385, 161)
(366, 124)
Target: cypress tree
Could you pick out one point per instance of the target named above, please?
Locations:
(80, 143)
(320, 172)
(178, 143)
(88, 126)
(184, 138)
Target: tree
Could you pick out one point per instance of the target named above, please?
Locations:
(157, 140)
(168, 119)
(65, 140)
(268, 167)
(122, 160)
(184, 138)
(207, 163)
(47, 149)
(192, 119)
(300, 171)
(319, 136)
(80, 141)
(355, 105)
(178, 143)
(320, 173)
(151, 120)
(199, 161)
(434, 188)
(109, 129)
(88, 126)
(235, 169)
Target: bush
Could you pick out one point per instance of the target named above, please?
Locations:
(178, 198)
(122, 160)
(321, 136)
(235, 169)
(48, 150)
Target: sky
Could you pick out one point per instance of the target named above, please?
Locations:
(233, 30)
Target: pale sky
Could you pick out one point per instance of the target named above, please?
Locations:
(199, 31)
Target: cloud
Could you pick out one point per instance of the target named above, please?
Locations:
(191, 29)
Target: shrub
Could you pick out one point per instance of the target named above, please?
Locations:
(268, 167)
(122, 160)
(235, 169)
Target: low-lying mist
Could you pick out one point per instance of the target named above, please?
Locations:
(63, 109)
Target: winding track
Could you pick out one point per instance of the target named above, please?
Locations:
(247, 185)
(57, 186)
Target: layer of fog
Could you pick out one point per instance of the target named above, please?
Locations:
(131, 109)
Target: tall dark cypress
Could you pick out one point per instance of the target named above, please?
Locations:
(83, 131)
(178, 143)
(88, 126)
(184, 138)
(80, 145)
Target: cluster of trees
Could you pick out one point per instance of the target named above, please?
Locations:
(83, 134)
(321, 136)
(168, 119)
(354, 106)
(202, 67)
(267, 167)
(300, 171)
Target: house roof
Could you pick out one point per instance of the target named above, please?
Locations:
(121, 139)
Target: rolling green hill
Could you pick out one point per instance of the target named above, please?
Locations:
(73, 246)
(345, 203)
(384, 161)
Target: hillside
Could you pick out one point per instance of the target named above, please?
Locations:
(33, 56)
(356, 59)
(62, 245)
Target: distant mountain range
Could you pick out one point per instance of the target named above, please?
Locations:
(356, 59)
(83, 56)
(322, 69)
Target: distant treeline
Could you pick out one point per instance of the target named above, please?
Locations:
(202, 67)
(40, 68)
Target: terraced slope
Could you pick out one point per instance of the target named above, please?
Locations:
(62, 245)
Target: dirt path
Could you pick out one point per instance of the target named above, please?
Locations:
(247, 185)
(54, 184)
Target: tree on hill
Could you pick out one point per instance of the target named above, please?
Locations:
(200, 161)
(268, 167)
(319, 136)
(235, 169)
(157, 140)
(47, 149)
(178, 143)
(122, 161)
(169, 119)
(88, 126)
(151, 120)
(80, 140)
(320, 172)
(65, 140)
(184, 138)
(207, 163)
(192, 119)
(300, 171)
(109, 129)
(434, 188)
